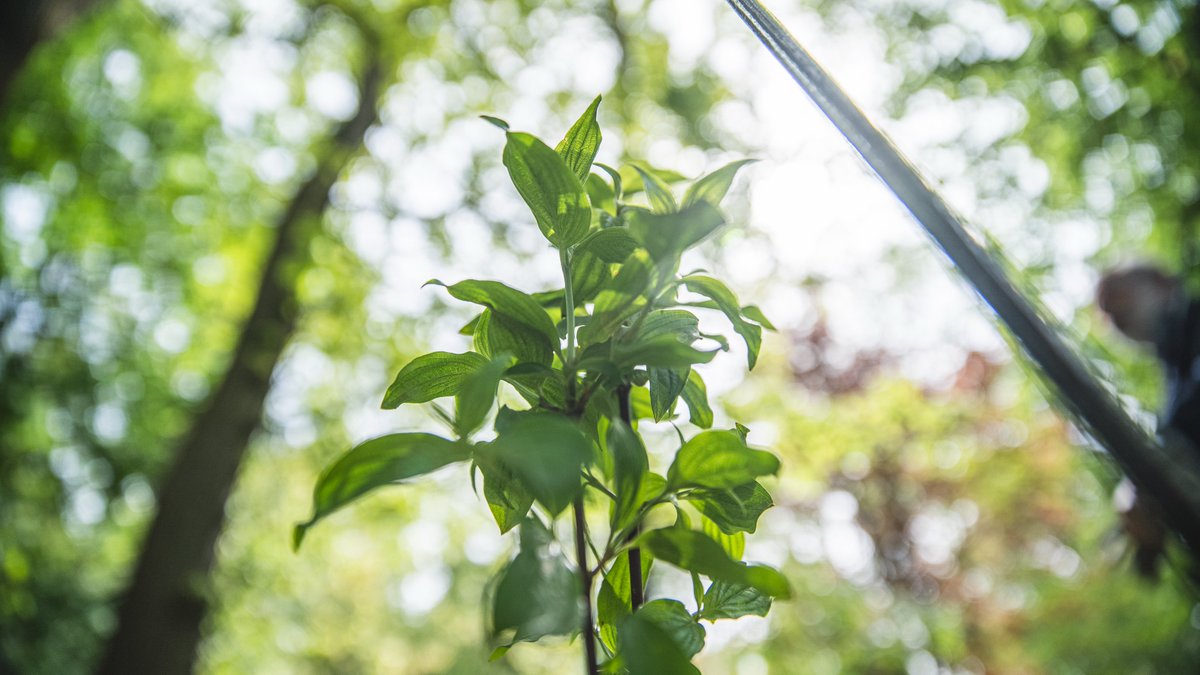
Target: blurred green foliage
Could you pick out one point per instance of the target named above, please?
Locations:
(138, 185)
(964, 526)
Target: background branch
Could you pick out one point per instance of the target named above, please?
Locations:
(161, 613)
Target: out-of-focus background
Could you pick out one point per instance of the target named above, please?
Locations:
(935, 513)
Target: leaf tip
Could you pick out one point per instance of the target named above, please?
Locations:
(298, 535)
(495, 121)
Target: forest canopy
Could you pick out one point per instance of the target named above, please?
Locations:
(217, 219)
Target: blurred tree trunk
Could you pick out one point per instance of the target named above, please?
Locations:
(161, 613)
(26, 23)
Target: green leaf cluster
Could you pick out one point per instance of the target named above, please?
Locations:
(614, 345)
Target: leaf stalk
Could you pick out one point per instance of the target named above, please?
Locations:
(564, 258)
(585, 578)
(636, 594)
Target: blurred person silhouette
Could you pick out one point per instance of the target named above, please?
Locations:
(1152, 307)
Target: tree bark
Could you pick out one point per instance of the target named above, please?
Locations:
(161, 613)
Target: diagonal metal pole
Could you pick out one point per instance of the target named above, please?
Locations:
(1170, 475)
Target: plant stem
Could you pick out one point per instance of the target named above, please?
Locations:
(585, 578)
(594, 482)
(569, 310)
(635, 575)
(635, 554)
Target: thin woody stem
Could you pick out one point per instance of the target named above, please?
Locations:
(636, 597)
(585, 578)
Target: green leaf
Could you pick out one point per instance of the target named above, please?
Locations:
(477, 394)
(554, 392)
(647, 649)
(719, 339)
(667, 235)
(727, 302)
(578, 148)
(742, 430)
(615, 176)
(652, 487)
(507, 498)
(632, 180)
(627, 291)
(550, 300)
(612, 602)
(666, 384)
(630, 464)
(600, 194)
(695, 395)
(499, 334)
(589, 274)
(528, 386)
(612, 244)
(719, 459)
(623, 297)
(733, 544)
(495, 121)
(677, 323)
(530, 369)
(431, 376)
(674, 619)
(537, 594)
(713, 187)
(530, 374)
(725, 600)
(734, 510)
(374, 463)
(639, 403)
(530, 379)
(755, 314)
(552, 190)
(697, 552)
(508, 302)
(661, 352)
(546, 452)
(469, 328)
(661, 199)
(596, 362)
(697, 589)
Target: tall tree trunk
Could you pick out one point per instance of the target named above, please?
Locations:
(26, 23)
(160, 616)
